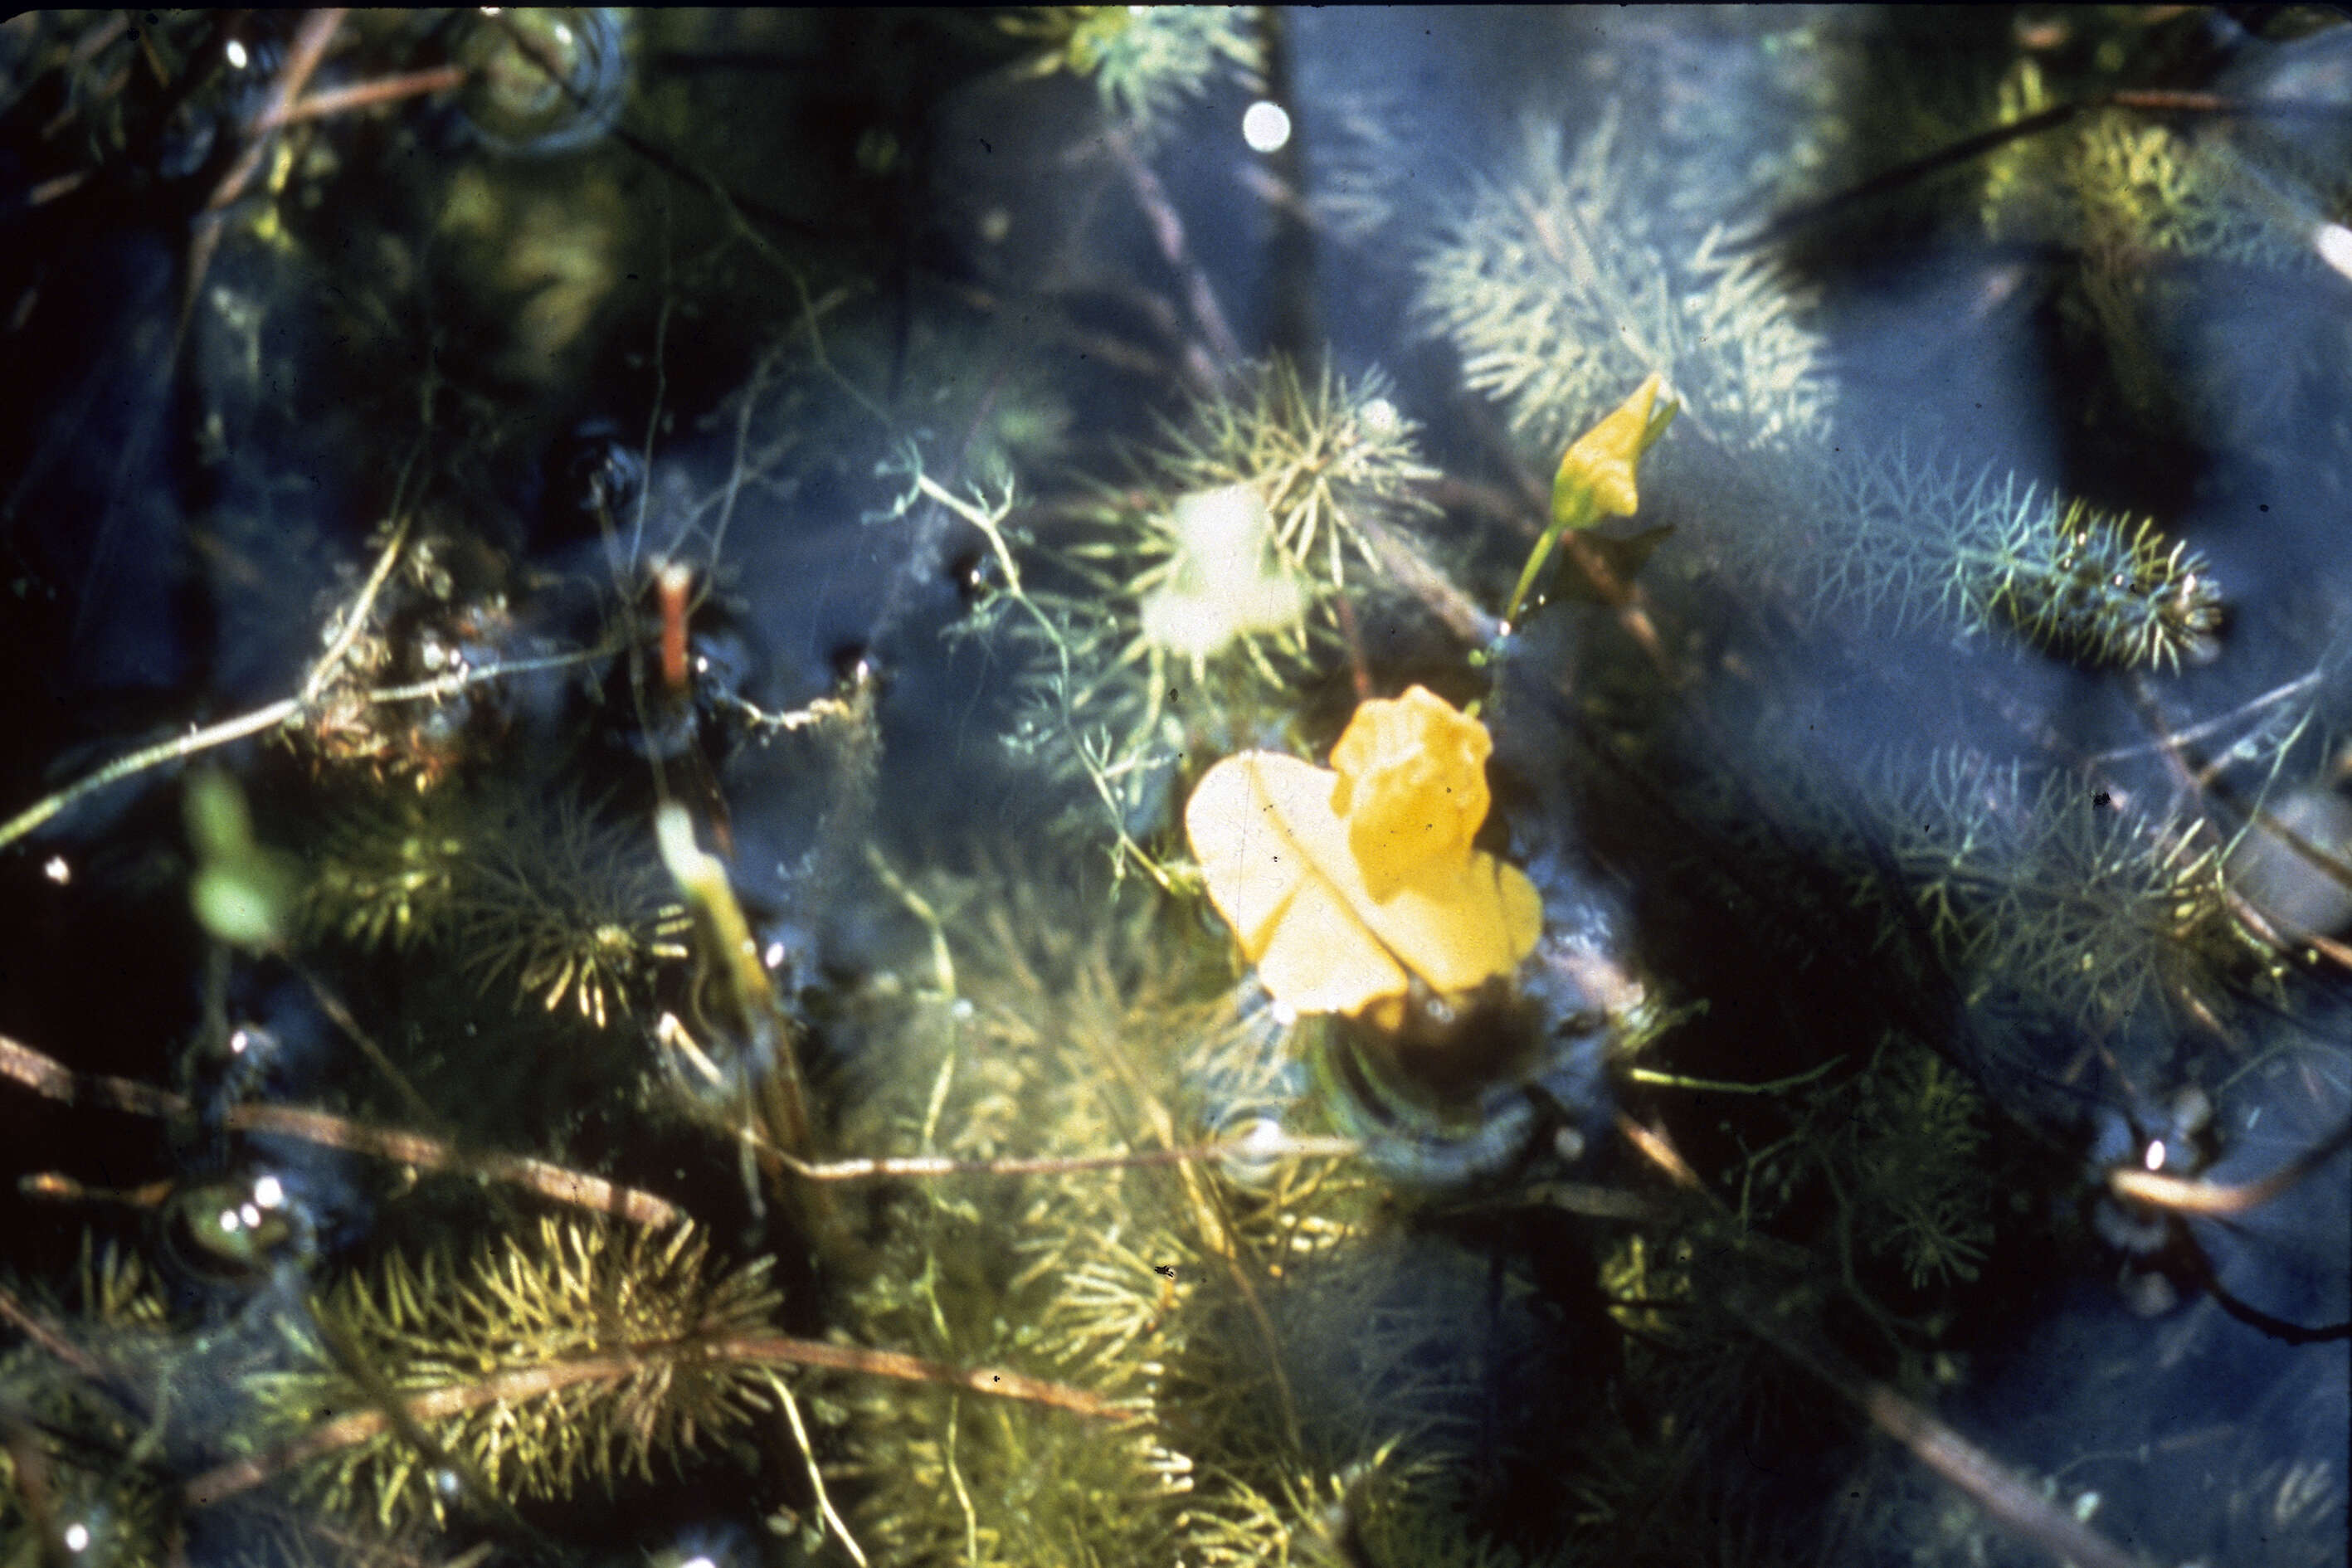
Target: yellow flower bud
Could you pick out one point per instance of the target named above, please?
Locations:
(1596, 475)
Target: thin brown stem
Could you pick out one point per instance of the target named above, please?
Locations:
(2004, 1496)
(1056, 1166)
(139, 761)
(302, 60)
(367, 95)
(49, 190)
(283, 711)
(521, 1383)
(1661, 1151)
(36, 1328)
(1418, 576)
(2186, 1195)
(53, 1079)
(1223, 351)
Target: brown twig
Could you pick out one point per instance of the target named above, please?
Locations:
(241, 1475)
(53, 1079)
(283, 711)
(1055, 1165)
(2187, 1195)
(36, 1328)
(1418, 576)
(50, 190)
(1223, 350)
(58, 1187)
(302, 60)
(2004, 1497)
(1661, 1151)
(365, 95)
(559, 1183)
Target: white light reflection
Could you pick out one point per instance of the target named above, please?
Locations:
(1265, 127)
(2335, 243)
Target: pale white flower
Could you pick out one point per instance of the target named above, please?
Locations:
(1225, 581)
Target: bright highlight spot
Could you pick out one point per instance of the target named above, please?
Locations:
(76, 1537)
(2155, 1156)
(238, 1042)
(228, 1222)
(2335, 242)
(698, 1562)
(774, 957)
(237, 58)
(1265, 127)
(269, 1191)
(57, 870)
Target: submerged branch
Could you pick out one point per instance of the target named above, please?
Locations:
(238, 1477)
(49, 1078)
(285, 711)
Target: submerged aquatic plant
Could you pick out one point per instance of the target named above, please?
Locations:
(571, 911)
(1218, 584)
(2044, 891)
(388, 869)
(1904, 542)
(1557, 288)
(1190, 608)
(578, 1353)
(1145, 61)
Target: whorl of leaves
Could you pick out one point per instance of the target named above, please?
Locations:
(1559, 290)
(2038, 889)
(1903, 544)
(577, 1352)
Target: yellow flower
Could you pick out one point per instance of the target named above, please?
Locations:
(1344, 886)
(1596, 474)
(1413, 786)
(1596, 477)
